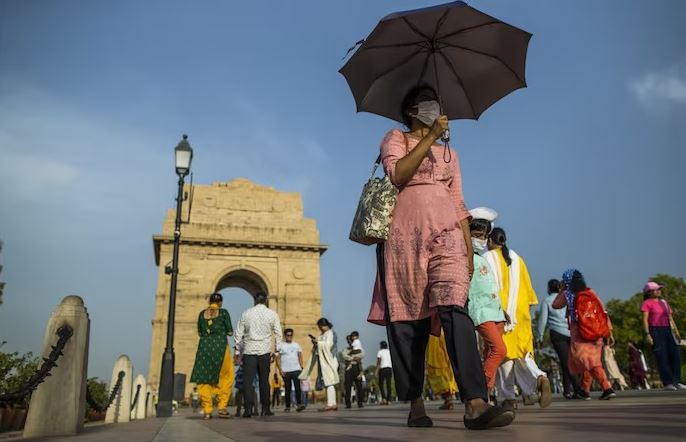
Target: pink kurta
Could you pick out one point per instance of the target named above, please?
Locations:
(425, 256)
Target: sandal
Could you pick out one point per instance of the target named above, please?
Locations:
(545, 396)
(447, 405)
(492, 418)
(223, 414)
(420, 422)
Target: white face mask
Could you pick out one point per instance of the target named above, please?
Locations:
(480, 245)
(427, 112)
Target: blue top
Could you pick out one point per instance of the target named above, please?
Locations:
(552, 318)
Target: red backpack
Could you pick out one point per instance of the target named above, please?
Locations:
(592, 319)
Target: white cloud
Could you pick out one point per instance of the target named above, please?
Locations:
(51, 151)
(665, 86)
(27, 175)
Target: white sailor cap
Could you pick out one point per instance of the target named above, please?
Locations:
(484, 213)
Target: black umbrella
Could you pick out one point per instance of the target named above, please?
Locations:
(469, 58)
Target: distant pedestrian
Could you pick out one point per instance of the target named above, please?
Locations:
(663, 335)
(555, 320)
(614, 374)
(517, 296)
(439, 371)
(585, 357)
(356, 344)
(305, 389)
(213, 370)
(352, 358)
(289, 363)
(195, 400)
(239, 391)
(276, 384)
(324, 358)
(257, 329)
(384, 372)
(637, 367)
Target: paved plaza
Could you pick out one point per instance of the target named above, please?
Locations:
(634, 416)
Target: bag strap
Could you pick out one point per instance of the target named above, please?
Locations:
(378, 159)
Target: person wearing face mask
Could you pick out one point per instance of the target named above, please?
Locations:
(425, 266)
(484, 297)
(517, 296)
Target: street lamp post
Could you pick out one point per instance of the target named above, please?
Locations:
(184, 156)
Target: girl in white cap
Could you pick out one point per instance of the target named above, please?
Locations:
(484, 296)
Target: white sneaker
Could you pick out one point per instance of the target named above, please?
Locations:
(681, 386)
(670, 387)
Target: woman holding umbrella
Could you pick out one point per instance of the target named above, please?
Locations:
(472, 60)
(428, 263)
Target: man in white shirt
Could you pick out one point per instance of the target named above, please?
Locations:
(384, 372)
(289, 362)
(254, 345)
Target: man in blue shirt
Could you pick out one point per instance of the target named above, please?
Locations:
(556, 322)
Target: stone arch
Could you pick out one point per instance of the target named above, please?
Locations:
(249, 278)
(238, 234)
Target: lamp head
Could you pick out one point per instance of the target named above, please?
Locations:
(184, 156)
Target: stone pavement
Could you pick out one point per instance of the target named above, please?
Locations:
(634, 416)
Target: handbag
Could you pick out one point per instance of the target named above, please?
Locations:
(372, 221)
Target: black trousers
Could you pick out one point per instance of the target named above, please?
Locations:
(667, 355)
(561, 345)
(385, 376)
(407, 343)
(291, 378)
(253, 364)
(352, 378)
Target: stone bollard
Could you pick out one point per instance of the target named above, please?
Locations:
(152, 398)
(138, 411)
(120, 409)
(58, 405)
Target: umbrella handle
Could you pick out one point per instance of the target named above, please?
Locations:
(446, 146)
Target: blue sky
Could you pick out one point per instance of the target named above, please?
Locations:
(584, 166)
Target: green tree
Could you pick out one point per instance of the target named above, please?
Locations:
(2, 284)
(98, 391)
(15, 371)
(627, 318)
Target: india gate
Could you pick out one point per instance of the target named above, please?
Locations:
(238, 234)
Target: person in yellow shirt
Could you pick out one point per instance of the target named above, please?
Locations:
(517, 296)
(439, 372)
(276, 384)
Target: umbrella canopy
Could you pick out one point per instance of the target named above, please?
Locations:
(469, 58)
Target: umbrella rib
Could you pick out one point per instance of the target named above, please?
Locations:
(397, 45)
(426, 65)
(485, 54)
(471, 28)
(439, 23)
(459, 79)
(392, 68)
(415, 29)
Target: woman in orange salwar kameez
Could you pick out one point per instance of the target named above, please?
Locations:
(585, 357)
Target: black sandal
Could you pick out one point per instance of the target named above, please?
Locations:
(492, 418)
(420, 422)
